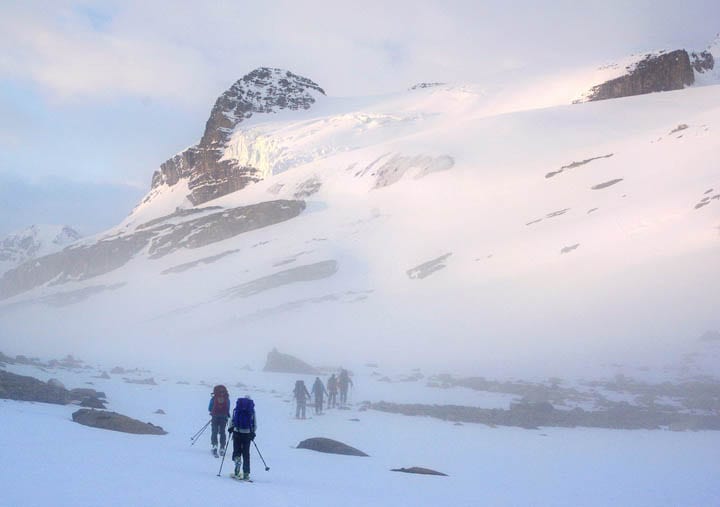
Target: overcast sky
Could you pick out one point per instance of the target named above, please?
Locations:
(95, 95)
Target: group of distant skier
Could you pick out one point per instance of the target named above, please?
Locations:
(243, 422)
(341, 383)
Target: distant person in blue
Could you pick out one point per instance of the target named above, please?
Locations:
(219, 408)
(242, 429)
(301, 395)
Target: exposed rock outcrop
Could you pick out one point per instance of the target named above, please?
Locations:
(418, 470)
(702, 61)
(285, 363)
(24, 388)
(264, 90)
(654, 73)
(330, 446)
(115, 422)
(162, 237)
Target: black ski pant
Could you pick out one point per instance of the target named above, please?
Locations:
(300, 410)
(318, 404)
(241, 449)
(219, 422)
(343, 395)
(332, 399)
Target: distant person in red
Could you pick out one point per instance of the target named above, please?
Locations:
(219, 408)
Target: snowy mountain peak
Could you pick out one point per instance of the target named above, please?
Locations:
(202, 168)
(33, 242)
(264, 90)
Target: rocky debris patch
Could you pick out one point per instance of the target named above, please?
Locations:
(428, 268)
(552, 214)
(304, 273)
(159, 411)
(707, 199)
(418, 166)
(679, 128)
(307, 188)
(654, 73)
(418, 470)
(285, 363)
(573, 165)
(205, 260)
(570, 248)
(145, 381)
(692, 403)
(592, 210)
(606, 184)
(329, 446)
(89, 398)
(421, 86)
(702, 61)
(532, 415)
(115, 422)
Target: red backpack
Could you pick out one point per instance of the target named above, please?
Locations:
(221, 402)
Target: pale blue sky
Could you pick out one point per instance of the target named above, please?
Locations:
(95, 95)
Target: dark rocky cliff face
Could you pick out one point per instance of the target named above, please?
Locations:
(655, 73)
(264, 90)
(160, 237)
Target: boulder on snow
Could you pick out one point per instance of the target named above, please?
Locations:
(23, 388)
(56, 383)
(285, 363)
(115, 422)
(418, 470)
(329, 446)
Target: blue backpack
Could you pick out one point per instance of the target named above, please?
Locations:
(244, 413)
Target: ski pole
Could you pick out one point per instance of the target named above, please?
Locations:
(227, 442)
(195, 437)
(260, 454)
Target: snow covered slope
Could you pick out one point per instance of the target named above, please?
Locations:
(79, 466)
(437, 224)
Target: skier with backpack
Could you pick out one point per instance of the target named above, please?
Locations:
(301, 395)
(318, 390)
(344, 382)
(242, 429)
(332, 387)
(219, 408)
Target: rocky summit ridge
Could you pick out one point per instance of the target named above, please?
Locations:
(209, 176)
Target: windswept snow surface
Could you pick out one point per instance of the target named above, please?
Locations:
(47, 459)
